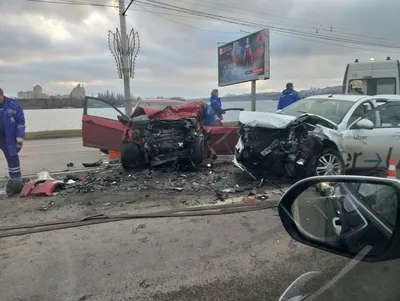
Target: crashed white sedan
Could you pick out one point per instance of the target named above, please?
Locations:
(320, 135)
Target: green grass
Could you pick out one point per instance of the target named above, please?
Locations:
(53, 134)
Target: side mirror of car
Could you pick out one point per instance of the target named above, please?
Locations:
(353, 216)
(124, 119)
(365, 124)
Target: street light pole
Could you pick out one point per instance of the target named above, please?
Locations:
(125, 58)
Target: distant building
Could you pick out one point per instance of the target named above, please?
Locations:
(37, 92)
(78, 92)
(25, 95)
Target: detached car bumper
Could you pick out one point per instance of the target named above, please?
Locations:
(238, 151)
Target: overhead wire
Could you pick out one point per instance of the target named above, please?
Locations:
(289, 20)
(158, 4)
(72, 2)
(279, 30)
(182, 23)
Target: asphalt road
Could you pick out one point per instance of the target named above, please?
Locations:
(237, 257)
(244, 256)
(52, 155)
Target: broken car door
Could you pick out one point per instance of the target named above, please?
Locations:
(223, 138)
(103, 124)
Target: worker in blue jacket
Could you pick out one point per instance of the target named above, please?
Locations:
(215, 103)
(207, 115)
(12, 133)
(289, 96)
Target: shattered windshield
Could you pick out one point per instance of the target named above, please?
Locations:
(332, 109)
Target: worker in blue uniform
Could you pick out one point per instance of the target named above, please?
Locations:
(208, 115)
(215, 103)
(12, 133)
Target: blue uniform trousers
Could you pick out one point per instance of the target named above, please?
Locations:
(14, 169)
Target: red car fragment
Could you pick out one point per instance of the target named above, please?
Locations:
(38, 187)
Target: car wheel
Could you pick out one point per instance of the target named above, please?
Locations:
(328, 162)
(131, 155)
(197, 150)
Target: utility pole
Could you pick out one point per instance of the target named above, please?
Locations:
(125, 49)
(125, 58)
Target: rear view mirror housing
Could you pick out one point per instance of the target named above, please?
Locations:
(364, 124)
(324, 213)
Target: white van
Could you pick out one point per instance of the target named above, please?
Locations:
(378, 77)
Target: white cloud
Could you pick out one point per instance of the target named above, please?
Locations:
(57, 46)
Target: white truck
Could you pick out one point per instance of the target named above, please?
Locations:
(377, 77)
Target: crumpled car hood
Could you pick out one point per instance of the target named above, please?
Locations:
(274, 120)
(265, 120)
(187, 110)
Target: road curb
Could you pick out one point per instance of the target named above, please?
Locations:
(53, 136)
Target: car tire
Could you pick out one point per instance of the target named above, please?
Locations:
(131, 155)
(313, 166)
(197, 150)
(291, 170)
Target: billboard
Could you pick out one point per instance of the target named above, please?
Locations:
(244, 60)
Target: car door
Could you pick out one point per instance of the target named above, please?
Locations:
(103, 124)
(374, 148)
(223, 138)
(355, 141)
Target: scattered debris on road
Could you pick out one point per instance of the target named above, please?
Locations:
(93, 164)
(110, 186)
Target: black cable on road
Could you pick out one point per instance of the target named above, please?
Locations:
(18, 230)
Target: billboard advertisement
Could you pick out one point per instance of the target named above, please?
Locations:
(244, 60)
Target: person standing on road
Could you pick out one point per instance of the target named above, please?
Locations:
(215, 103)
(12, 133)
(289, 96)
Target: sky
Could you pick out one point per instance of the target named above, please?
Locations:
(58, 46)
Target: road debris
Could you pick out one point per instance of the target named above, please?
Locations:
(93, 164)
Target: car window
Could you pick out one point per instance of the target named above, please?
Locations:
(362, 111)
(332, 109)
(381, 200)
(376, 86)
(352, 187)
(102, 109)
(389, 116)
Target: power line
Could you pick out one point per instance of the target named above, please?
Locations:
(158, 4)
(294, 20)
(129, 5)
(285, 34)
(182, 23)
(71, 2)
(277, 29)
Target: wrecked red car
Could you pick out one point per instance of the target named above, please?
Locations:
(154, 136)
